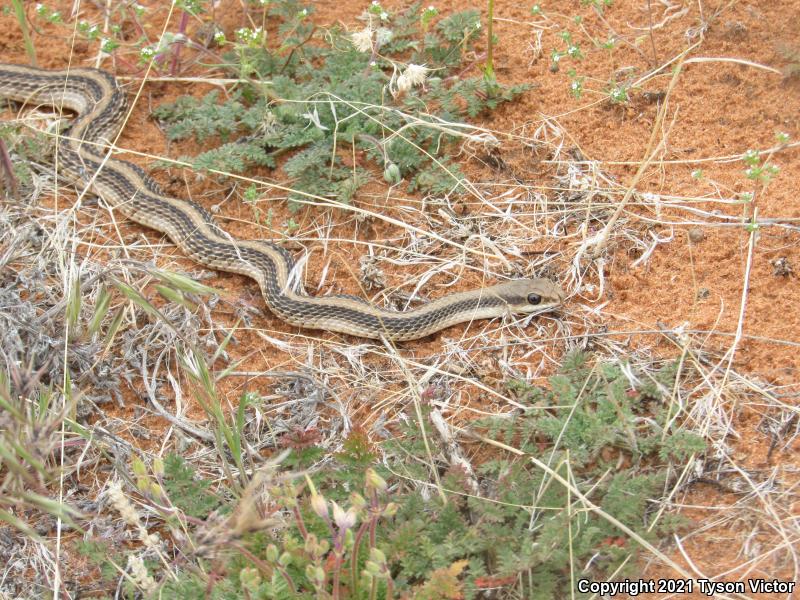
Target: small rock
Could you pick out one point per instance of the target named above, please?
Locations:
(781, 267)
(696, 235)
(372, 276)
(735, 30)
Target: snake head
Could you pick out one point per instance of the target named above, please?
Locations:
(528, 296)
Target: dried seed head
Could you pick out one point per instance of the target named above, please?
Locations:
(414, 75)
(362, 40)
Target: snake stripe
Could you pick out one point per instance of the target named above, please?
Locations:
(100, 106)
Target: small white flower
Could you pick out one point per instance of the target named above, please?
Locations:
(247, 35)
(362, 40)
(384, 16)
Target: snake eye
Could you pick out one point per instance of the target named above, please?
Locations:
(534, 299)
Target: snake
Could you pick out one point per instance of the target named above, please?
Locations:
(99, 105)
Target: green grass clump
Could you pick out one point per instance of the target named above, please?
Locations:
(390, 95)
(29, 423)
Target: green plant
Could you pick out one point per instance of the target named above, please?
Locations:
(571, 51)
(48, 14)
(19, 12)
(134, 52)
(228, 432)
(757, 170)
(29, 426)
(353, 90)
(186, 491)
(355, 529)
(618, 94)
(576, 85)
(488, 69)
(361, 523)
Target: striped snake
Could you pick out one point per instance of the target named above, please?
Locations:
(100, 107)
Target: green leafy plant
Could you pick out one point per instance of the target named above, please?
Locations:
(355, 529)
(361, 91)
(618, 94)
(186, 491)
(757, 170)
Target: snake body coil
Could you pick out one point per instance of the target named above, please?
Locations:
(100, 106)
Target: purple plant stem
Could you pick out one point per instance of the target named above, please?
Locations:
(5, 160)
(179, 44)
